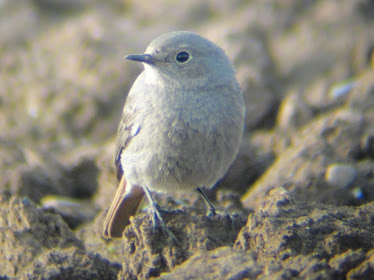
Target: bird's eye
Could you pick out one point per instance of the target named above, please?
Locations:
(182, 57)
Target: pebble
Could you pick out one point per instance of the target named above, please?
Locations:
(340, 175)
(341, 89)
(358, 193)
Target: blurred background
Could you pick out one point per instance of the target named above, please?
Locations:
(63, 84)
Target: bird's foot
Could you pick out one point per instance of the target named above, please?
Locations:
(157, 217)
(158, 220)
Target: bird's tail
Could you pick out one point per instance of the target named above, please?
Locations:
(125, 204)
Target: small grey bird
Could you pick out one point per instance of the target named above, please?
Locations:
(181, 126)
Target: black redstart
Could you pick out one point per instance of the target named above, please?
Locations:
(181, 126)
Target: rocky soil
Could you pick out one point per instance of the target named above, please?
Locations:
(298, 203)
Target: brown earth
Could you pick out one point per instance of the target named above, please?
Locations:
(296, 204)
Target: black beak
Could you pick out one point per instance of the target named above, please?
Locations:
(145, 58)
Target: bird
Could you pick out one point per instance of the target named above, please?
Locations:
(181, 126)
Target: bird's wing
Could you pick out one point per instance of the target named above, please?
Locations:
(127, 130)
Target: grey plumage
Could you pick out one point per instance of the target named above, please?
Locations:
(181, 125)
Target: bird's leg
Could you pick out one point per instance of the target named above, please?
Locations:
(211, 211)
(157, 215)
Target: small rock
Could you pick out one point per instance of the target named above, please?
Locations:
(340, 175)
(293, 112)
(341, 89)
(277, 198)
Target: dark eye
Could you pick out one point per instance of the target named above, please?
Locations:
(182, 57)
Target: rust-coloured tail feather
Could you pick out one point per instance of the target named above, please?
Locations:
(123, 206)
